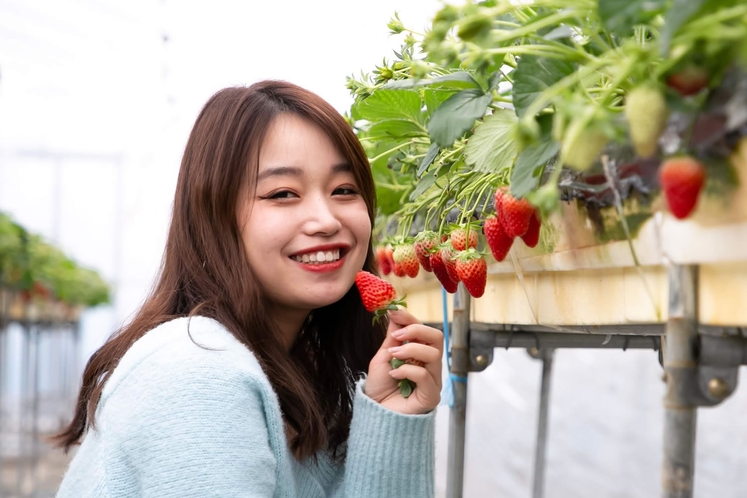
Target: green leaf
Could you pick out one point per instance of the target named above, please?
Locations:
(428, 159)
(424, 184)
(397, 128)
(460, 80)
(388, 198)
(678, 14)
(434, 97)
(492, 148)
(620, 16)
(533, 75)
(531, 162)
(457, 115)
(390, 104)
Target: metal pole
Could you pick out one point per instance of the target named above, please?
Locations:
(680, 365)
(544, 411)
(458, 378)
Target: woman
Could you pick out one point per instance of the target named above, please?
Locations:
(253, 369)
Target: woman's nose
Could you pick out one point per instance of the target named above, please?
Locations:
(321, 218)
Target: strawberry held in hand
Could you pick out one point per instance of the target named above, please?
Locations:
(378, 295)
(681, 180)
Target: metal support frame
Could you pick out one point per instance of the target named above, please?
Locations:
(546, 355)
(460, 345)
(41, 383)
(701, 369)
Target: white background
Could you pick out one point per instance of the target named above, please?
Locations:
(96, 101)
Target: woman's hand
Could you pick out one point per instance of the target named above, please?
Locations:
(426, 344)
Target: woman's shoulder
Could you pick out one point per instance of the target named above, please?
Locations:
(184, 348)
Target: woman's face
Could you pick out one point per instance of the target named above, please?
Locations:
(306, 230)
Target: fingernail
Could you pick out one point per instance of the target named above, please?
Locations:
(398, 333)
(395, 349)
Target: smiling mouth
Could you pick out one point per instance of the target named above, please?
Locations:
(318, 258)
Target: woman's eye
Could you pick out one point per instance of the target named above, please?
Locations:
(345, 191)
(282, 194)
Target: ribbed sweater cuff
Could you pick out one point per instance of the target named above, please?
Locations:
(389, 454)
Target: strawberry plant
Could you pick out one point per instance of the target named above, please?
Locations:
(554, 100)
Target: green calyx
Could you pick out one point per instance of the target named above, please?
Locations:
(406, 386)
(393, 305)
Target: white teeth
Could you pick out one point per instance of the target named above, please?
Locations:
(318, 257)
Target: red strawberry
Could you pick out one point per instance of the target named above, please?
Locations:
(495, 235)
(681, 179)
(439, 270)
(515, 215)
(473, 271)
(688, 81)
(447, 256)
(377, 294)
(424, 243)
(498, 198)
(404, 256)
(398, 270)
(384, 262)
(533, 232)
(459, 237)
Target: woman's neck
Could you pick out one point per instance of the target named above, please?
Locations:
(289, 324)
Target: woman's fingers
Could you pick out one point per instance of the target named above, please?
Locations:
(427, 388)
(416, 351)
(420, 333)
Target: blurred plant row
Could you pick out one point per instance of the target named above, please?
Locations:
(41, 273)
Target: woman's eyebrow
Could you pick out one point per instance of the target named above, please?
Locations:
(296, 171)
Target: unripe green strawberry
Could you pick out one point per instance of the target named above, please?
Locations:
(404, 256)
(647, 114)
(682, 179)
(459, 237)
(473, 271)
(496, 237)
(474, 27)
(581, 153)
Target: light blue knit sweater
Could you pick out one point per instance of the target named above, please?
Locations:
(177, 420)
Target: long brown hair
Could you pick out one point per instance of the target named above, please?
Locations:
(205, 271)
